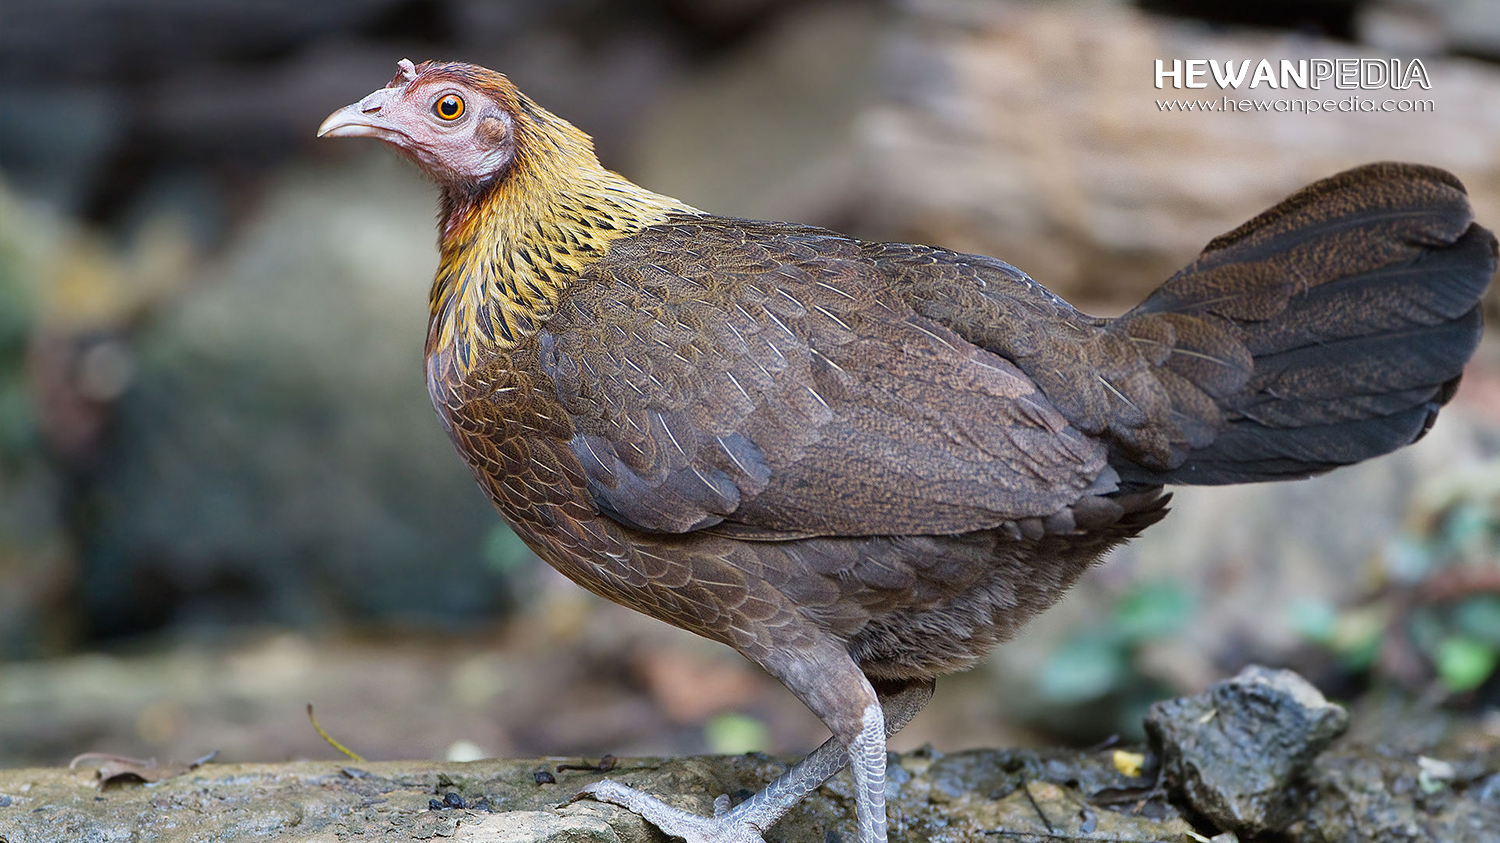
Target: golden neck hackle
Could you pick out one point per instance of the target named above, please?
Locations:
(507, 257)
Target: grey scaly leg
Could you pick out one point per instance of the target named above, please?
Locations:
(764, 808)
(746, 821)
(867, 758)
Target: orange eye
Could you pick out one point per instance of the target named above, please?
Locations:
(450, 107)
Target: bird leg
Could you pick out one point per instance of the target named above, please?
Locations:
(745, 822)
(867, 758)
(762, 810)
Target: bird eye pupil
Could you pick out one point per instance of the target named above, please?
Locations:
(450, 107)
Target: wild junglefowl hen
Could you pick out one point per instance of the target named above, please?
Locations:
(863, 464)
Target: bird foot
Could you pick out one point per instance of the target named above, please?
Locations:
(723, 827)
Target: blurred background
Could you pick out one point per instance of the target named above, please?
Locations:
(223, 494)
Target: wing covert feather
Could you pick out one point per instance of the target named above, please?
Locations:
(766, 376)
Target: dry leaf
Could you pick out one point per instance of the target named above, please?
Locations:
(117, 769)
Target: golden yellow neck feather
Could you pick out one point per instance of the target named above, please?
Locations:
(506, 261)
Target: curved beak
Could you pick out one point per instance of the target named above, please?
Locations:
(363, 119)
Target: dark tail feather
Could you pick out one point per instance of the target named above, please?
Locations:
(1326, 331)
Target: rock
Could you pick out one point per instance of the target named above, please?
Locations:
(541, 827)
(1361, 794)
(1235, 751)
(1358, 794)
(1058, 794)
(984, 791)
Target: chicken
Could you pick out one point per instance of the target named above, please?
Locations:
(863, 464)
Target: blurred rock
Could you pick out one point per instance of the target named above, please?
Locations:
(1032, 132)
(1403, 28)
(1236, 752)
(276, 458)
(765, 133)
(38, 563)
(1471, 26)
(1429, 26)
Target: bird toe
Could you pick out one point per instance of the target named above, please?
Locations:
(672, 821)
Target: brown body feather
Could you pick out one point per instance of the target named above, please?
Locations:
(743, 429)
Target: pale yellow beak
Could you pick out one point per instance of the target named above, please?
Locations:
(363, 119)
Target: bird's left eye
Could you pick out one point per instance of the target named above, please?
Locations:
(450, 107)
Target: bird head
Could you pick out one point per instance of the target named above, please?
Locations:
(458, 122)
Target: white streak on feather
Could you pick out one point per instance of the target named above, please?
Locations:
(828, 313)
(735, 381)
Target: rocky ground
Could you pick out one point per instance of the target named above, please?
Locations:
(1247, 760)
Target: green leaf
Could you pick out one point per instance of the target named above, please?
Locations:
(1468, 523)
(1360, 656)
(1408, 559)
(1358, 635)
(1153, 609)
(1081, 670)
(1314, 620)
(17, 426)
(1427, 629)
(504, 552)
(1464, 664)
(1478, 617)
(736, 734)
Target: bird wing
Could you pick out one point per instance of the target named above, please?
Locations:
(768, 380)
